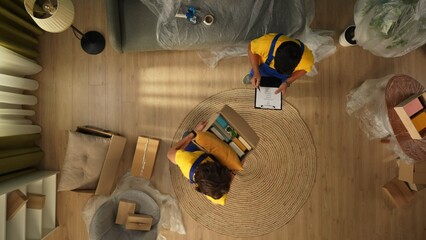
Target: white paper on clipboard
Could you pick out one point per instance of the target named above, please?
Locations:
(265, 98)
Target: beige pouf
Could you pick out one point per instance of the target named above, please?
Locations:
(278, 175)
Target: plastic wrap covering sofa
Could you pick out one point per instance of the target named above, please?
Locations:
(131, 26)
(148, 25)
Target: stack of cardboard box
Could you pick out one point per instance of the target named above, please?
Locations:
(132, 221)
(414, 174)
(412, 112)
(411, 179)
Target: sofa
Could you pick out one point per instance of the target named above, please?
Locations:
(133, 26)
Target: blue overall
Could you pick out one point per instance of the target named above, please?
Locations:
(195, 165)
(265, 70)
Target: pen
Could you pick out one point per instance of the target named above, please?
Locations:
(258, 87)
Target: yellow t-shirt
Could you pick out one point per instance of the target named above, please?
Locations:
(185, 160)
(260, 46)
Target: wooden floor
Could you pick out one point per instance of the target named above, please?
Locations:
(151, 93)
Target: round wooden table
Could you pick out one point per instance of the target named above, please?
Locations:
(399, 88)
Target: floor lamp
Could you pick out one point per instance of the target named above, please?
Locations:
(57, 16)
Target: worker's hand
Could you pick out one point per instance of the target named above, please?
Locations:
(255, 80)
(200, 126)
(283, 88)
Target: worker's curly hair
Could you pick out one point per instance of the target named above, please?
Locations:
(212, 179)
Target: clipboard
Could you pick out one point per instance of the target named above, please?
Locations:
(265, 98)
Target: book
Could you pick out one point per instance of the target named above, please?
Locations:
(237, 150)
(217, 133)
(222, 122)
(223, 132)
(265, 97)
(244, 142)
(239, 144)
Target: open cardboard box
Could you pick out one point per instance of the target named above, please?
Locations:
(106, 183)
(398, 193)
(412, 112)
(239, 125)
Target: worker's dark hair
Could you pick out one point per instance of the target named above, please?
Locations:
(287, 57)
(212, 179)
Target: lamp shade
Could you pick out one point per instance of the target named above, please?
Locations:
(61, 18)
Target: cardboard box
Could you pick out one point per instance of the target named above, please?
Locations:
(412, 114)
(35, 201)
(125, 207)
(15, 201)
(106, 183)
(139, 222)
(247, 135)
(412, 173)
(416, 187)
(398, 192)
(144, 157)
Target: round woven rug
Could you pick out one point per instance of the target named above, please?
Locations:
(278, 175)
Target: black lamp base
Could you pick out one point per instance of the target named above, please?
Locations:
(93, 42)
(350, 34)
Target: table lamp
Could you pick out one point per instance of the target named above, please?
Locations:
(57, 16)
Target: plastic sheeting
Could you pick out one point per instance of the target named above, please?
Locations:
(367, 105)
(170, 214)
(235, 24)
(319, 41)
(390, 28)
(103, 227)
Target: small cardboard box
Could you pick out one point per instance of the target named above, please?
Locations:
(15, 200)
(416, 187)
(35, 201)
(125, 207)
(412, 173)
(248, 137)
(139, 222)
(398, 192)
(106, 183)
(144, 158)
(412, 114)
